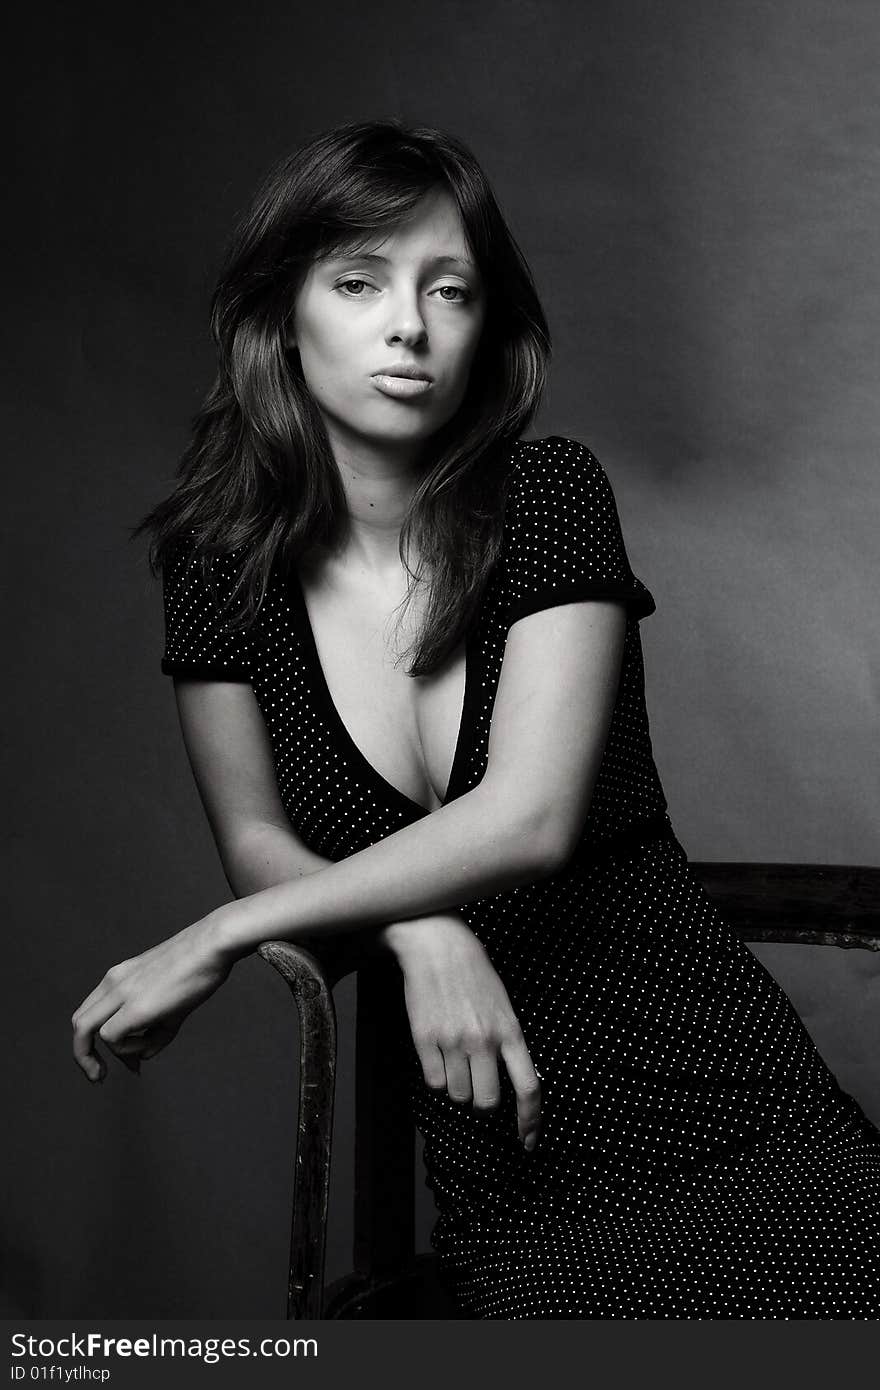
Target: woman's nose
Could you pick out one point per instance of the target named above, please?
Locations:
(405, 323)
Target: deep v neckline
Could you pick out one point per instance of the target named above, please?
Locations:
(336, 721)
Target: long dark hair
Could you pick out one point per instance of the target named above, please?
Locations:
(259, 476)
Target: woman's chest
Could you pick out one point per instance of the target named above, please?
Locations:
(406, 728)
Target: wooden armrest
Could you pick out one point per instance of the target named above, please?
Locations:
(329, 959)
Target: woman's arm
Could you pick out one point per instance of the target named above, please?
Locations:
(230, 755)
(553, 708)
(459, 1012)
(552, 712)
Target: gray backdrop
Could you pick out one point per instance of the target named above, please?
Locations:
(695, 185)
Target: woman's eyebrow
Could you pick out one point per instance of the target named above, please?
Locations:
(373, 256)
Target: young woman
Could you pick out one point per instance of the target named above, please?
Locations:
(406, 653)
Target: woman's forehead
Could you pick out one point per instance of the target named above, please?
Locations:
(435, 259)
(433, 230)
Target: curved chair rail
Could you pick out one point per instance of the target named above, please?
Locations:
(313, 995)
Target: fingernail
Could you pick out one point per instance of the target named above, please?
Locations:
(530, 1141)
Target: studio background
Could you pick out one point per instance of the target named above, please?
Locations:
(696, 189)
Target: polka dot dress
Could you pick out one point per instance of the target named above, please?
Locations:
(697, 1158)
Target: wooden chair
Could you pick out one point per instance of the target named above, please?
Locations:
(806, 904)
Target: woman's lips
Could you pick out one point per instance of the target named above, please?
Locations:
(402, 386)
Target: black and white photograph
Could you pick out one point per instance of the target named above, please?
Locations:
(443, 843)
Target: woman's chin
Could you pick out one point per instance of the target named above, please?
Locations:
(389, 434)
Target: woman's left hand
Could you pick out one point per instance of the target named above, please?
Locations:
(140, 1004)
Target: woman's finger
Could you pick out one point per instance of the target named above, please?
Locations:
(127, 1047)
(107, 986)
(139, 1045)
(123, 1040)
(92, 999)
(132, 1046)
(484, 1080)
(87, 1023)
(527, 1086)
(458, 1075)
(433, 1069)
(119, 1032)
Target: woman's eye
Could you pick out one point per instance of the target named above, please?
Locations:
(356, 292)
(456, 289)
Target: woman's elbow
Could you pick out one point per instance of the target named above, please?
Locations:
(243, 862)
(547, 840)
(236, 873)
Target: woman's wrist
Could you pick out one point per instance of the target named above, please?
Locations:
(412, 935)
(224, 935)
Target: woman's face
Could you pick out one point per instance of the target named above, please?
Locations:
(412, 299)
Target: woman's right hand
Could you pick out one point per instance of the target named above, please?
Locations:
(461, 1018)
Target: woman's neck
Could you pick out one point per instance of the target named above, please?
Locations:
(378, 489)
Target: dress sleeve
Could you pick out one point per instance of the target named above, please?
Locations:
(563, 540)
(198, 639)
